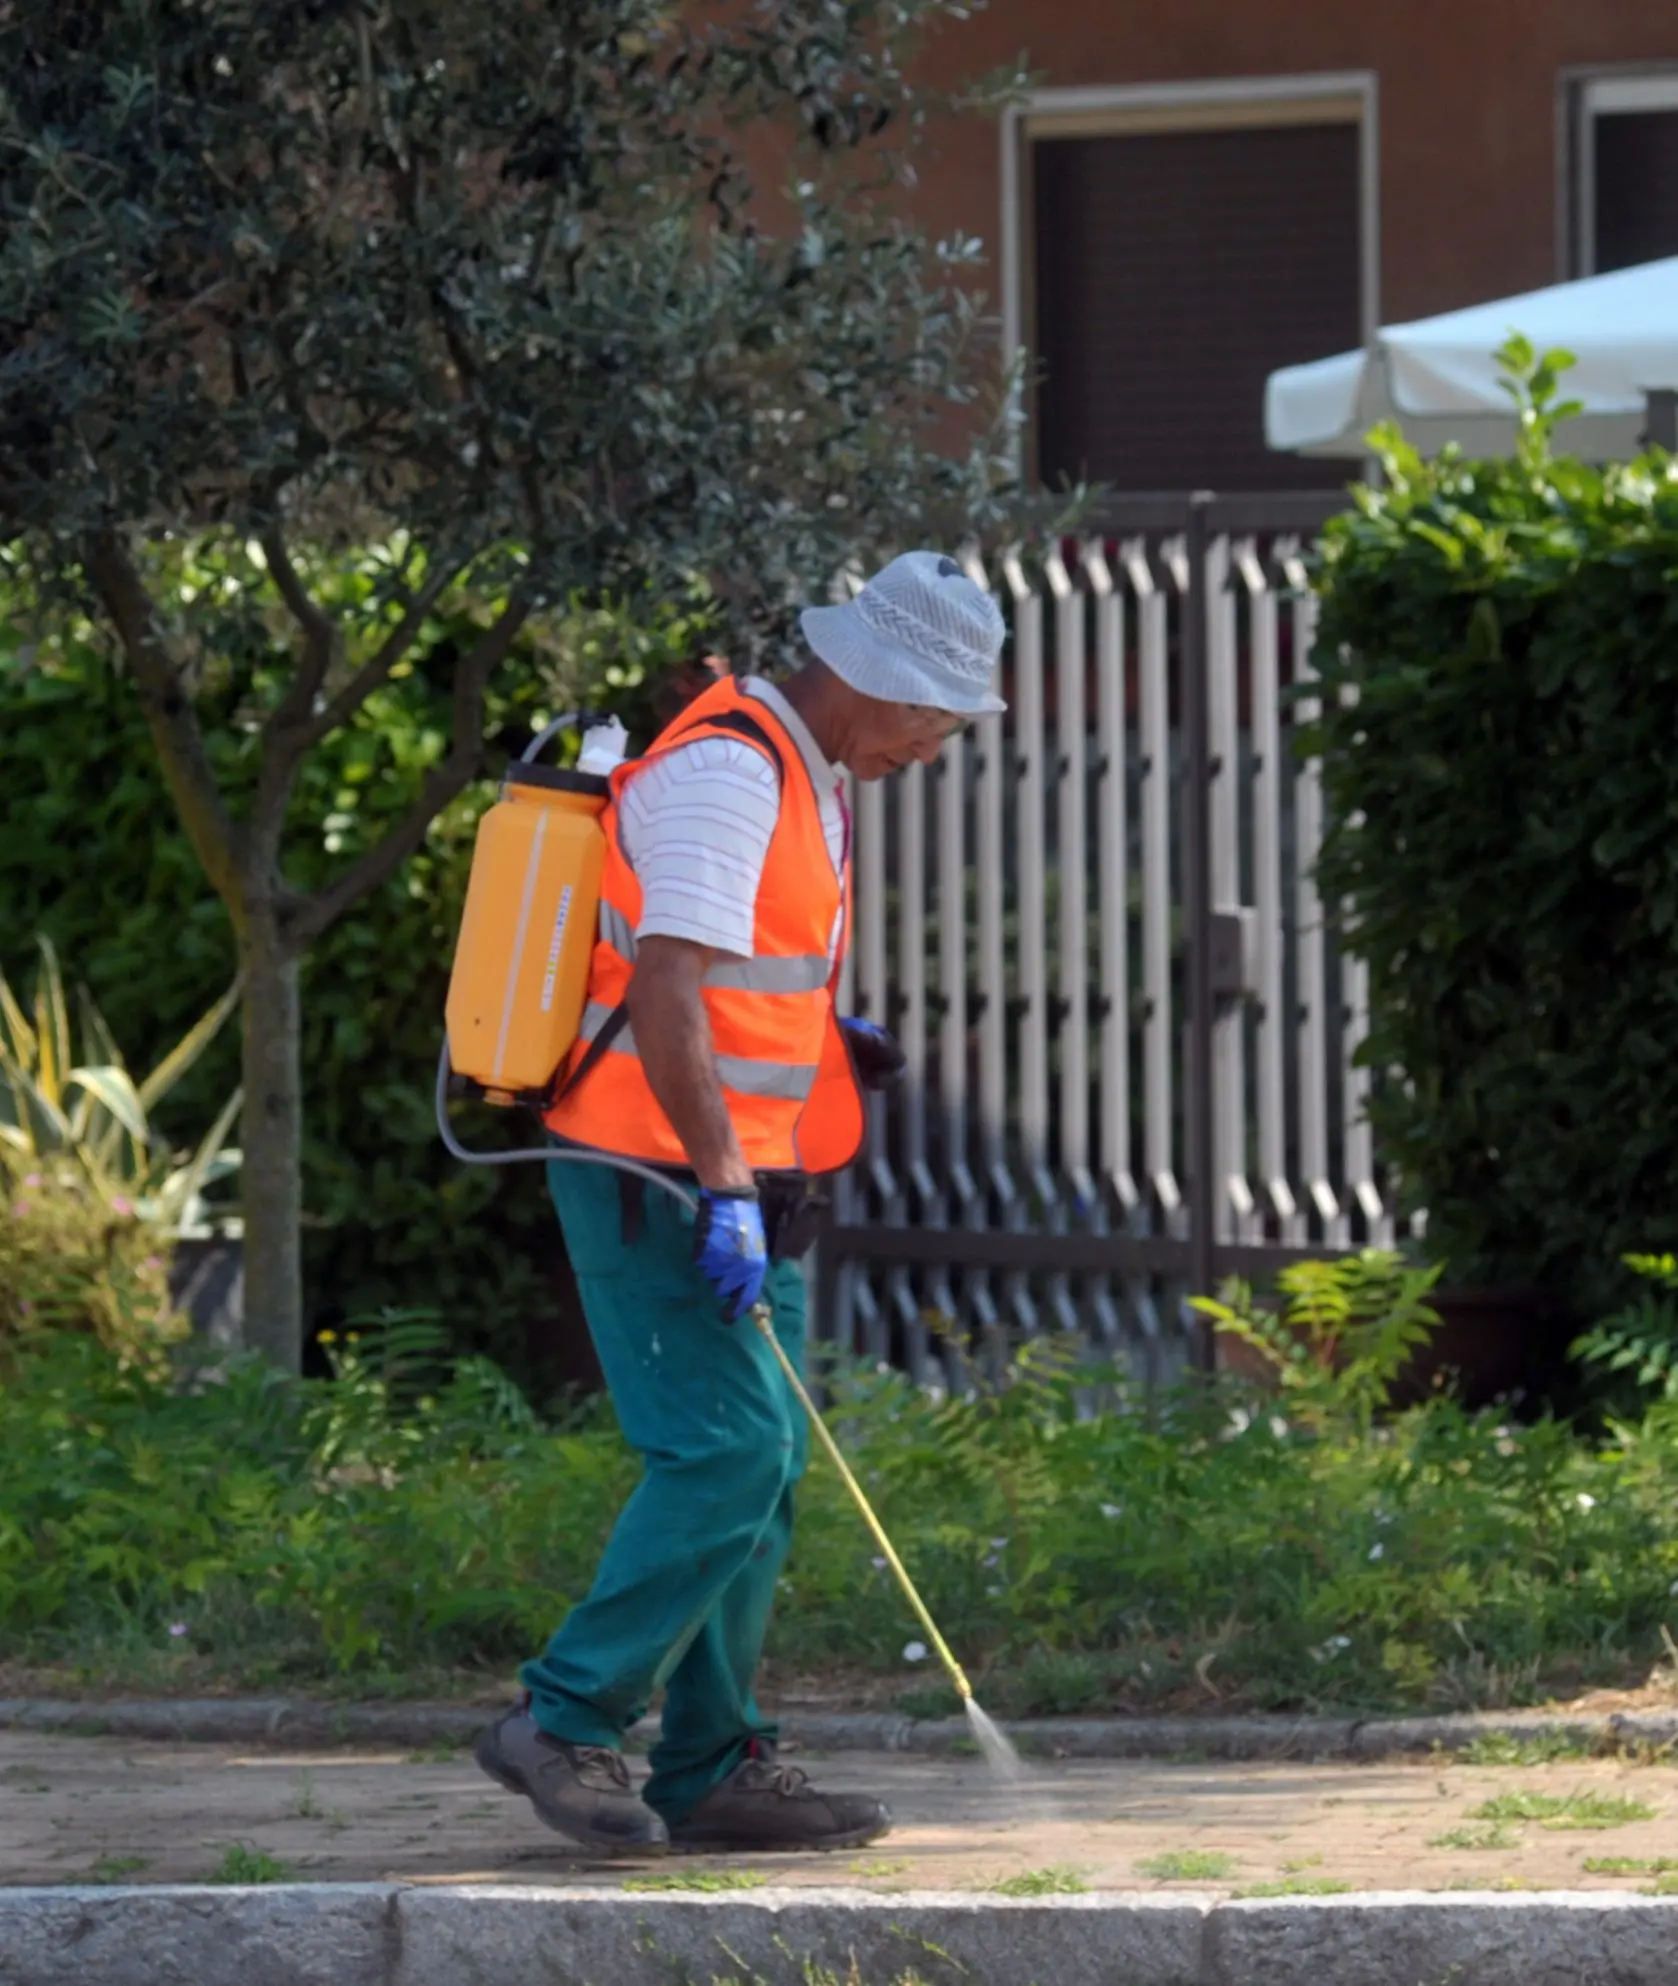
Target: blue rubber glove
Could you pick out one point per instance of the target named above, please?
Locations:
(729, 1247)
(879, 1060)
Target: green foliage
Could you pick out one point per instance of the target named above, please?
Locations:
(1498, 646)
(87, 1123)
(409, 1518)
(1640, 1341)
(1347, 1330)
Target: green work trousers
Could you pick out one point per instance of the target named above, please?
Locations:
(682, 1596)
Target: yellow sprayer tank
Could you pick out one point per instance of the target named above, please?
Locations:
(526, 935)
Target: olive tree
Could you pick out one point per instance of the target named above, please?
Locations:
(502, 284)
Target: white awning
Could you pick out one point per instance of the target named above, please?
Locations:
(1439, 377)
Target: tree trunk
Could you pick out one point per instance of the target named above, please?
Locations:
(273, 1147)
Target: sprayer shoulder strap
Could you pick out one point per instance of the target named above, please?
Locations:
(610, 1028)
(744, 725)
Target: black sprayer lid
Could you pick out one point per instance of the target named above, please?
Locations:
(522, 773)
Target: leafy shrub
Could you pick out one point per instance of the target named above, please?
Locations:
(91, 853)
(413, 1517)
(72, 1261)
(1499, 650)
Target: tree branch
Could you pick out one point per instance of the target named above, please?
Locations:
(316, 914)
(322, 636)
(376, 669)
(216, 839)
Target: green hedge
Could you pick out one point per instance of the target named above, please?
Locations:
(90, 852)
(1499, 642)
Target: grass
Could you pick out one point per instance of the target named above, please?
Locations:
(1056, 1880)
(877, 1871)
(117, 1868)
(1565, 1810)
(250, 1865)
(1298, 1886)
(1188, 1865)
(442, 1751)
(1491, 1834)
(703, 1882)
(1630, 1865)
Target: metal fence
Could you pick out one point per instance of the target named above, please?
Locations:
(1094, 927)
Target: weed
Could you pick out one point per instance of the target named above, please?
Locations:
(1664, 1885)
(1630, 1865)
(1057, 1880)
(1495, 1834)
(117, 1868)
(1188, 1865)
(1304, 1862)
(1542, 1748)
(1298, 1886)
(876, 1871)
(250, 1865)
(707, 1882)
(308, 1803)
(442, 1751)
(1565, 1810)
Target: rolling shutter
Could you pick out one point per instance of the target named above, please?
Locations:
(1173, 272)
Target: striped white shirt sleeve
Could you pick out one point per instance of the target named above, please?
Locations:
(695, 826)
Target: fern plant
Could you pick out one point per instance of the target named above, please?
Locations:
(1345, 1331)
(1640, 1342)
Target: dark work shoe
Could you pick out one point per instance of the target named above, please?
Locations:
(579, 1790)
(762, 1807)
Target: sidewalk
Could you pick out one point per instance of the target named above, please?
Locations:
(111, 1809)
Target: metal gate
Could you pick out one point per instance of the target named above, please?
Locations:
(1094, 927)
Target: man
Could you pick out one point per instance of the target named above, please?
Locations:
(710, 1046)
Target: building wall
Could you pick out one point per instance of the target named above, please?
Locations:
(1468, 96)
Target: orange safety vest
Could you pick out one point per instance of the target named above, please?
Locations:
(781, 1058)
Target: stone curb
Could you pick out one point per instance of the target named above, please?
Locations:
(298, 1723)
(386, 1935)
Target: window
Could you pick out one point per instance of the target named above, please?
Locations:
(1170, 250)
(1621, 171)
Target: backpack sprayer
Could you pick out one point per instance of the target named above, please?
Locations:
(515, 1004)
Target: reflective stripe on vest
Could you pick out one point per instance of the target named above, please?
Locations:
(792, 1081)
(806, 972)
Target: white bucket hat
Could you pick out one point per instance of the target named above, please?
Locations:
(919, 632)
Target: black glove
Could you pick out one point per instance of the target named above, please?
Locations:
(879, 1060)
